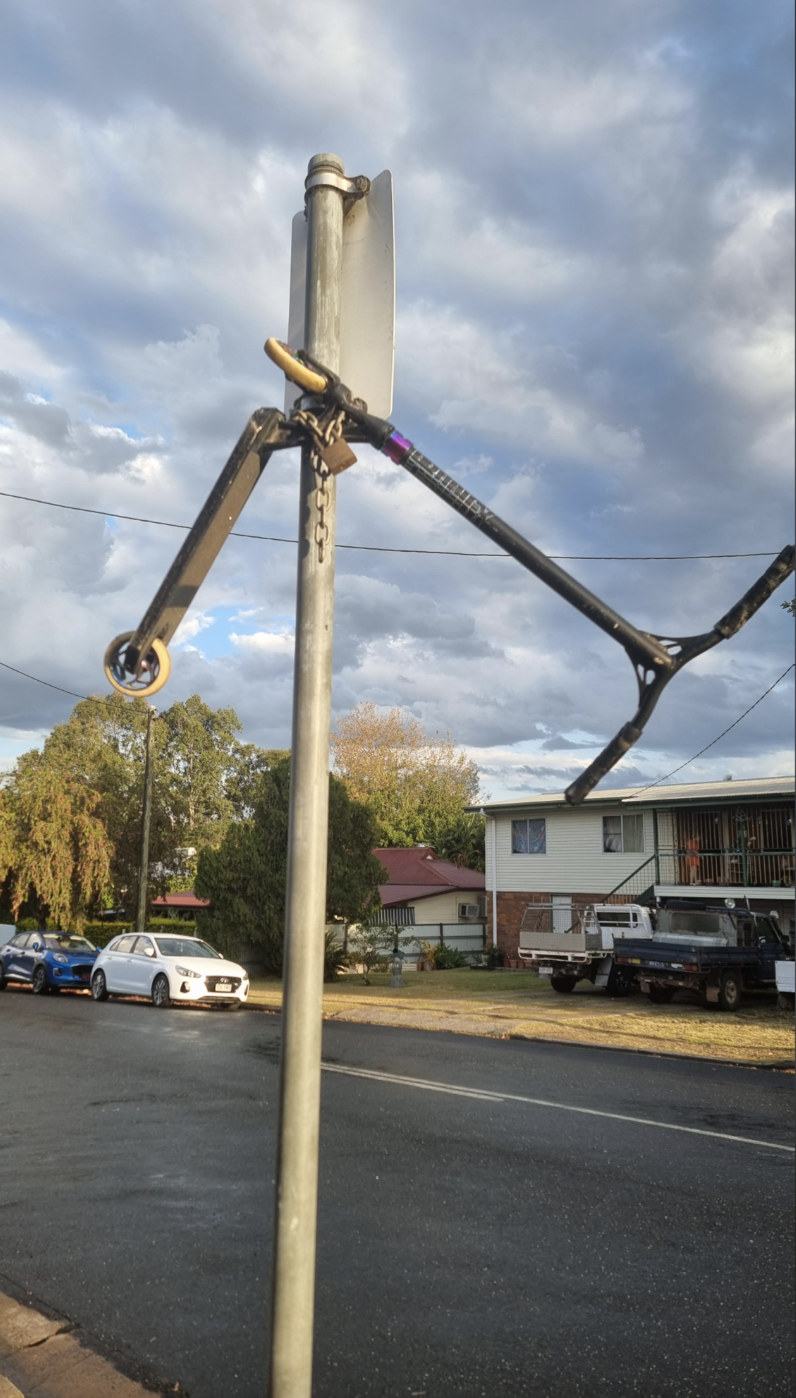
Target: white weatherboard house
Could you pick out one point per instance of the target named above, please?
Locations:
(708, 841)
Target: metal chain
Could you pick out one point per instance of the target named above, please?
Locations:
(321, 437)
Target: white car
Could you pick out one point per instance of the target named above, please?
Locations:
(168, 968)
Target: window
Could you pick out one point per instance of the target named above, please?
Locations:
(124, 944)
(144, 947)
(528, 837)
(623, 834)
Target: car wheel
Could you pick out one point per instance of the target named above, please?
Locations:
(563, 984)
(40, 985)
(661, 994)
(99, 986)
(730, 991)
(3, 981)
(161, 998)
(620, 982)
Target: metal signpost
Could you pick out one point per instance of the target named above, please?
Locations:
(342, 317)
(346, 255)
(146, 820)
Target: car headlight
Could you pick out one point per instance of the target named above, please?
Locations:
(244, 975)
(64, 960)
(183, 971)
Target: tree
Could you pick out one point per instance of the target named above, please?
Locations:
(417, 787)
(203, 780)
(102, 745)
(54, 849)
(245, 876)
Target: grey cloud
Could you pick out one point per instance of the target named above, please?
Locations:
(592, 216)
(46, 421)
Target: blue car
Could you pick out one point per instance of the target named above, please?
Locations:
(48, 961)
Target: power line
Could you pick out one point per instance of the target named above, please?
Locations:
(94, 699)
(383, 548)
(60, 689)
(715, 740)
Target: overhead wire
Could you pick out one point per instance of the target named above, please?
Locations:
(384, 548)
(98, 699)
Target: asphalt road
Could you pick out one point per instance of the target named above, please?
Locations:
(469, 1244)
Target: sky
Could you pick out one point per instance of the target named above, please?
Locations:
(594, 224)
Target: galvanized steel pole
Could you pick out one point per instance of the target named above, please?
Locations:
(293, 1284)
(146, 818)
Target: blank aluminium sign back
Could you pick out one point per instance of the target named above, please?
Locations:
(367, 322)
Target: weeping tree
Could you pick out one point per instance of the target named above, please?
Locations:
(55, 854)
(245, 877)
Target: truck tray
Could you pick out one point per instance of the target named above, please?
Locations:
(562, 942)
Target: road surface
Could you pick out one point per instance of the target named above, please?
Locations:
(479, 1236)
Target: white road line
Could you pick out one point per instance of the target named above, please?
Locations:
(482, 1095)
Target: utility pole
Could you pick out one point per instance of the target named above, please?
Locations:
(293, 1284)
(146, 817)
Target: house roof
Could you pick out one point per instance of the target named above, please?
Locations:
(417, 873)
(187, 899)
(753, 787)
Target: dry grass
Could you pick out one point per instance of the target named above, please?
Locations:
(519, 1004)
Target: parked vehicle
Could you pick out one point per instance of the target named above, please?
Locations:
(47, 961)
(586, 950)
(168, 969)
(786, 985)
(717, 952)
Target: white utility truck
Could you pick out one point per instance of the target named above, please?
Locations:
(585, 950)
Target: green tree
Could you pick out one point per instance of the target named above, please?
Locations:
(212, 776)
(204, 779)
(245, 876)
(55, 854)
(417, 787)
(102, 745)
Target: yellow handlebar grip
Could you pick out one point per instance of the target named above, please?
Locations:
(285, 359)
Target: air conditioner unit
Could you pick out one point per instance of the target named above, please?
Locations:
(468, 910)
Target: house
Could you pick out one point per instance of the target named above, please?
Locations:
(710, 841)
(184, 905)
(419, 888)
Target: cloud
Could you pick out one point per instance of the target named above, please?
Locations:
(594, 221)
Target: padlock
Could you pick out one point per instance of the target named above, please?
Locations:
(338, 456)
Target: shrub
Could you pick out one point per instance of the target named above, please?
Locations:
(494, 956)
(370, 948)
(449, 959)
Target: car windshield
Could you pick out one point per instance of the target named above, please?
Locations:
(61, 941)
(186, 946)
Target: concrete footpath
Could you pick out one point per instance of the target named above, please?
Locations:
(43, 1356)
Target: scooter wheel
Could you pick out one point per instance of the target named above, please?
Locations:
(153, 672)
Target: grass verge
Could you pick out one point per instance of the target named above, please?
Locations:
(519, 1004)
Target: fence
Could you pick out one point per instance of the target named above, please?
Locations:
(469, 938)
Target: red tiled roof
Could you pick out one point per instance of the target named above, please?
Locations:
(417, 873)
(188, 899)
